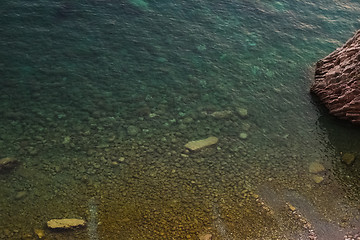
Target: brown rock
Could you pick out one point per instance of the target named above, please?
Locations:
(65, 223)
(7, 163)
(199, 144)
(337, 80)
(348, 158)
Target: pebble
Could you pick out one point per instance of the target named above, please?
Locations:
(348, 158)
(66, 140)
(245, 126)
(7, 163)
(39, 233)
(207, 236)
(221, 114)
(20, 195)
(132, 130)
(32, 151)
(317, 179)
(243, 112)
(291, 207)
(188, 120)
(243, 136)
(316, 167)
(199, 144)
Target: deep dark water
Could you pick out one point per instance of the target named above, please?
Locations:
(98, 98)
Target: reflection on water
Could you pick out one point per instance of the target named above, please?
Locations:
(98, 99)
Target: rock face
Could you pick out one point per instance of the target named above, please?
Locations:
(65, 223)
(337, 80)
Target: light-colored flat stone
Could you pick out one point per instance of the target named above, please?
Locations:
(222, 114)
(243, 112)
(39, 233)
(207, 236)
(65, 223)
(199, 144)
(243, 136)
(316, 167)
(317, 179)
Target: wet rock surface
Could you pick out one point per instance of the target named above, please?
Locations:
(337, 79)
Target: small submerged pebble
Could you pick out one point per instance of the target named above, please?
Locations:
(20, 195)
(348, 158)
(316, 167)
(132, 130)
(243, 136)
(317, 179)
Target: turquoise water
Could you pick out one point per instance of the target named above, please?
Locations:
(98, 99)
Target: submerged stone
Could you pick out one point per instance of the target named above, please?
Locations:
(132, 130)
(7, 163)
(221, 114)
(207, 236)
(243, 112)
(39, 233)
(243, 136)
(65, 223)
(348, 158)
(316, 167)
(140, 4)
(199, 144)
(291, 207)
(20, 195)
(317, 179)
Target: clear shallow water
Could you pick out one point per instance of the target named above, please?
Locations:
(76, 76)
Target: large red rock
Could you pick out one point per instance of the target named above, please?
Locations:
(337, 80)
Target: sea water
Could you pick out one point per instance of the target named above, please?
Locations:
(98, 99)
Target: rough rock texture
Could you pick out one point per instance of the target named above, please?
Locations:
(65, 223)
(337, 79)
